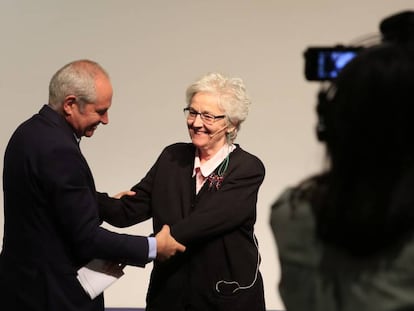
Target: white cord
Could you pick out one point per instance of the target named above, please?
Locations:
(237, 283)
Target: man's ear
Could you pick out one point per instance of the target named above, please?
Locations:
(68, 104)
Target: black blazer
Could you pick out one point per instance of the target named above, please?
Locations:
(51, 224)
(219, 269)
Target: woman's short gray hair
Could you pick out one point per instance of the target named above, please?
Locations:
(232, 97)
(77, 78)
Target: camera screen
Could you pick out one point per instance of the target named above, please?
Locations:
(330, 63)
(325, 63)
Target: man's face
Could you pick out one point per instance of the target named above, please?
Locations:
(84, 120)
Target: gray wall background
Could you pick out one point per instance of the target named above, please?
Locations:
(153, 50)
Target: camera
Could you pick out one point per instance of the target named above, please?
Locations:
(325, 63)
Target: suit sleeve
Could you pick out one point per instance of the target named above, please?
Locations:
(71, 190)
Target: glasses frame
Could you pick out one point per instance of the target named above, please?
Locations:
(207, 118)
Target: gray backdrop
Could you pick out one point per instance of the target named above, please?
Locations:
(153, 50)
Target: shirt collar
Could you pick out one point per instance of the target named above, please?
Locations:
(209, 166)
(77, 139)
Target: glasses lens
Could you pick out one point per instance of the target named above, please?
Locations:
(207, 119)
(191, 114)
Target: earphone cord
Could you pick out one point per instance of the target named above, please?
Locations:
(237, 283)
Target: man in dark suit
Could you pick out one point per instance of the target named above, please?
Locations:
(51, 221)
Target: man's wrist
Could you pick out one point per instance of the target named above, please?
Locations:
(152, 248)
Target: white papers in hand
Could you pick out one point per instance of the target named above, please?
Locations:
(98, 275)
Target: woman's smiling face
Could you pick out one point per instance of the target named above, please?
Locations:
(207, 136)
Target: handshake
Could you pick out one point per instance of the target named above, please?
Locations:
(99, 274)
(167, 246)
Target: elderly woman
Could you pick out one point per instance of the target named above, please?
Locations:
(206, 191)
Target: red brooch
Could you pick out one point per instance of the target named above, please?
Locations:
(215, 180)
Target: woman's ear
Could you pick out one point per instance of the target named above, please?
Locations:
(231, 129)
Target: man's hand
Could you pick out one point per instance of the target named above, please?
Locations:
(121, 194)
(167, 246)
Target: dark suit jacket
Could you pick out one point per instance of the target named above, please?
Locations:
(51, 224)
(216, 226)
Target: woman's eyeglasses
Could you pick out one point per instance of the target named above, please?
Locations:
(207, 118)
